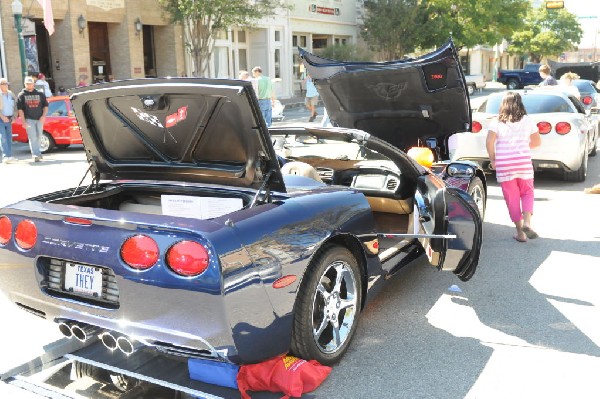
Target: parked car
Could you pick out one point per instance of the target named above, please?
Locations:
(590, 95)
(193, 240)
(519, 78)
(60, 128)
(474, 83)
(407, 107)
(569, 134)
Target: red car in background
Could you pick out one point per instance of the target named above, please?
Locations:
(60, 129)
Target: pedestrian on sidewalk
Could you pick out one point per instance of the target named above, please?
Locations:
(42, 85)
(8, 113)
(511, 136)
(33, 107)
(312, 98)
(265, 94)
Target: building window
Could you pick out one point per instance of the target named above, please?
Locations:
(277, 63)
(243, 59)
(294, 41)
(221, 62)
(277, 36)
(303, 41)
(319, 42)
(241, 36)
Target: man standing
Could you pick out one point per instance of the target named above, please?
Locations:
(265, 94)
(8, 113)
(33, 107)
(42, 85)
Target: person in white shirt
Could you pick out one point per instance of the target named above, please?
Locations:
(567, 86)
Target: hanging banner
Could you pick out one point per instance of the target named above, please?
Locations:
(31, 55)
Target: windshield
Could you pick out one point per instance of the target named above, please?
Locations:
(57, 108)
(534, 104)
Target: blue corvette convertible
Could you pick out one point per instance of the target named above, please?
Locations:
(205, 235)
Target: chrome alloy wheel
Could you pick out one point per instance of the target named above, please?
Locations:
(335, 304)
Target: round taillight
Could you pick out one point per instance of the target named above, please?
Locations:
(26, 234)
(476, 128)
(140, 252)
(587, 100)
(562, 127)
(187, 258)
(5, 230)
(544, 127)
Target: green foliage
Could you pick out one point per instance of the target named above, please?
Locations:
(394, 27)
(202, 20)
(398, 27)
(546, 33)
(346, 52)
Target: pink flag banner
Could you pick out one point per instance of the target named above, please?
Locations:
(48, 15)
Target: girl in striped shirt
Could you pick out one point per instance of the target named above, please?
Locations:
(510, 137)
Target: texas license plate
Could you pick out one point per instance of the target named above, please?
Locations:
(82, 279)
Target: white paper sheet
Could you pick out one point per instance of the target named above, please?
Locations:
(199, 207)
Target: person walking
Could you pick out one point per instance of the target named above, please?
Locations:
(548, 79)
(265, 94)
(8, 113)
(42, 84)
(511, 136)
(33, 107)
(312, 98)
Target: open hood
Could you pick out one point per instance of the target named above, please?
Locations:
(401, 101)
(179, 129)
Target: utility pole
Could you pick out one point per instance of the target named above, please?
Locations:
(17, 9)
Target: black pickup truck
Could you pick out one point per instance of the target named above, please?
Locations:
(518, 78)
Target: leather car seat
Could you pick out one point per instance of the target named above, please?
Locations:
(301, 169)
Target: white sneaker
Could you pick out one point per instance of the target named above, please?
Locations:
(5, 160)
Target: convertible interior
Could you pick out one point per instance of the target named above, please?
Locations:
(352, 165)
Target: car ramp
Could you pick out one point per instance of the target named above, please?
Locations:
(148, 366)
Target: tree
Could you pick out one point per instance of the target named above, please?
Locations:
(394, 27)
(346, 52)
(397, 27)
(546, 33)
(202, 20)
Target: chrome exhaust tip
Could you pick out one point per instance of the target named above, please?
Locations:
(65, 329)
(126, 345)
(109, 341)
(83, 332)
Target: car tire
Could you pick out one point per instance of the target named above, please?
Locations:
(513, 84)
(594, 150)
(63, 146)
(46, 142)
(328, 305)
(476, 190)
(579, 174)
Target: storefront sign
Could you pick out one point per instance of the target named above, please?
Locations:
(323, 10)
(106, 4)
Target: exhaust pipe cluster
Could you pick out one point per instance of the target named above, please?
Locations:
(83, 332)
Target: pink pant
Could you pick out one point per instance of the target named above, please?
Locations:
(518, 194)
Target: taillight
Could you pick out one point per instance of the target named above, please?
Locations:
(563, 127)
(587, 100)
(544, 127)
(26, 234)
(140, 252)
(187, 258)
(5, 230)
(476, 128)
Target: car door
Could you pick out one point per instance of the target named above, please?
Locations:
(445, 219)
(450, 228)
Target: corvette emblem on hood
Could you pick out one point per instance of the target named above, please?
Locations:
(388, 91)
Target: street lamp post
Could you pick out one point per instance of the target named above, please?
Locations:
(17, 9)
